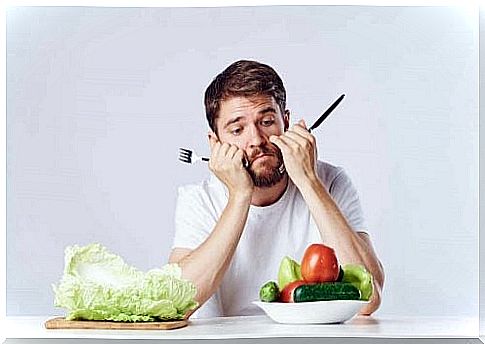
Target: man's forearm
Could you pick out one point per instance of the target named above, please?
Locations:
(206, 265)
(350, 247)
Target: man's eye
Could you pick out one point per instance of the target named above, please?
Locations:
(236, 131)
(267, 122)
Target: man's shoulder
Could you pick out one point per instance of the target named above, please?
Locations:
(328, 172)
(205, 188)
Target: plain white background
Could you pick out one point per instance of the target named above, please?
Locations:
(100, 99)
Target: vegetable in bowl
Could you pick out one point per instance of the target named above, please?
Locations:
(269, 292)
(318, 278)
(288, 272)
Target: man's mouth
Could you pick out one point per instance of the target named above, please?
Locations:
(264, 155)
(264, 152)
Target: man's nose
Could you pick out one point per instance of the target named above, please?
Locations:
(257, 137)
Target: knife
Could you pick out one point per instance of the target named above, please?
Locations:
(326, 113)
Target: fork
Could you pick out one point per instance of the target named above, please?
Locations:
(189, 156)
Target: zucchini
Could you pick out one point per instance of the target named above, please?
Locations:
(326, 292)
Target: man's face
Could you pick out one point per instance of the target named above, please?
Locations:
(248, 123)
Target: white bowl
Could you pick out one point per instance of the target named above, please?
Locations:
(318, 312)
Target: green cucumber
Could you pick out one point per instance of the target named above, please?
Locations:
(326, 292)
(269, 292)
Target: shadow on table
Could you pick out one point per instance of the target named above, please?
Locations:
(362, 321)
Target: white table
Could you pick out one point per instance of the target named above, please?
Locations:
(262, 327)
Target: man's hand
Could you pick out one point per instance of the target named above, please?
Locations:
(226, 162)
(206, 265)
(299, 151)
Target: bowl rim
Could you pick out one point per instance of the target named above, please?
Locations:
(259, 302)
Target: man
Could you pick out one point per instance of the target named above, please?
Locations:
(268, 197)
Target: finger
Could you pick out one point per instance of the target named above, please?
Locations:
(231, 152)
(301, 130)
(290, 142)
(302, 123)
(240, 156)
(282, 145)
(298, 138)
(224, 149)
(304, 133)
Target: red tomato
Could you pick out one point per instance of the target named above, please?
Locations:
(287, 292)
(319, 264)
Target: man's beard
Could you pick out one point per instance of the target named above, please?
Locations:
(271, 178)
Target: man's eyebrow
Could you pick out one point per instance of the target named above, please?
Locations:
(233, 120)
(264, 111)
(267, 109)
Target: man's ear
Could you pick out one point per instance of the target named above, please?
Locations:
(286, 119)
(212, 135)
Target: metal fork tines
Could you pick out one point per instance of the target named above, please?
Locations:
(189, 156)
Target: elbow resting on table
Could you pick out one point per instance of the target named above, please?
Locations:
(375, 300)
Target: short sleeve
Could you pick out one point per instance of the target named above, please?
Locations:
(345, 195)
(193, 218)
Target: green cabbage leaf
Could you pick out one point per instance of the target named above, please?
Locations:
(99, 285)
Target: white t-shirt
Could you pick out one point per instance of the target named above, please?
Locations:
(284, 228)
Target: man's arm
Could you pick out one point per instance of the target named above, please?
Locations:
(299, 153)
(351, 247)
(205, 266)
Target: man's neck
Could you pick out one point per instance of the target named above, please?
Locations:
(266, 196)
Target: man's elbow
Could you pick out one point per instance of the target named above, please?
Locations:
(376, 298)
(372, 306)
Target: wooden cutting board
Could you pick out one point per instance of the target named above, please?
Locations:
(62, 323)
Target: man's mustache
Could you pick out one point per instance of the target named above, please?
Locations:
(270, 149)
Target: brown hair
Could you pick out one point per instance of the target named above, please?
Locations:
(243, 79)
